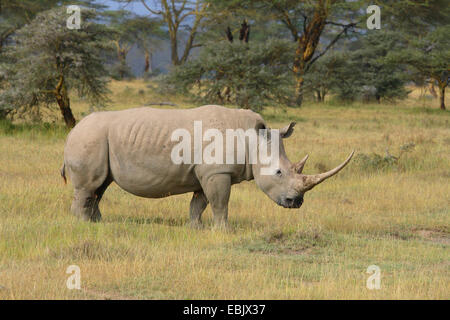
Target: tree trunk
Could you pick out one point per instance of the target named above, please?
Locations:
(122, 52)
(307, 45)
(299, 81)
(123, 62)
(174, 50)
(319, 97)
(432, 90)
(378, 98)
(244, 32)
(323, 95)
(442, 95)
(148, 62)
(64, 105)
(299, 73)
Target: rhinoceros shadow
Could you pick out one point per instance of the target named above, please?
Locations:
(172, 222)
(233, 226)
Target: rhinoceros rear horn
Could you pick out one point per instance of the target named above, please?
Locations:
(298, 167)
(310, 181)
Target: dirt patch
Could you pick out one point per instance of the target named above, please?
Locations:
(288, 242)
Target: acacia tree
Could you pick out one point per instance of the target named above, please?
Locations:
(16, 13)
(250, 75)
(325, 75)
(307, 22)
(374, 68)
(360, 69)
(430, 57)
(48, 60)
(424, 34)
(177, 15)
(121, 21)
(146, 32)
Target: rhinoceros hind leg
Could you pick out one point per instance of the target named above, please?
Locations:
(198, 205)
(85, 205)
(85, 202)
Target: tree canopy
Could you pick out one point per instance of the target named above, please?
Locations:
(250, 53)
(48, 60)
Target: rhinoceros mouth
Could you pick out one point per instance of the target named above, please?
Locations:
(291, 203)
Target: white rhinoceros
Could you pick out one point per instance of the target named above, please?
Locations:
(134, 148)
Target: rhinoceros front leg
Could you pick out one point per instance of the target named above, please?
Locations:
(198, 205)
(217, 190)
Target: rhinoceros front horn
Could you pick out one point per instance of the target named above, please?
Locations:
(310, 181)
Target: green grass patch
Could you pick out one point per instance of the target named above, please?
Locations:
(33, 130)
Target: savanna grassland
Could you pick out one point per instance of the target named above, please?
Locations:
(380, 210)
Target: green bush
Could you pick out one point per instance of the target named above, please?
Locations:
(250, 75)
(375, 162)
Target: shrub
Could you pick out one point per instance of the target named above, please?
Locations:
(248, 75)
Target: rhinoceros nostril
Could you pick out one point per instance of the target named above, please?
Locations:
(294, 202)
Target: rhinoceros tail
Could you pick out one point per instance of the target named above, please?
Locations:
(63, 173)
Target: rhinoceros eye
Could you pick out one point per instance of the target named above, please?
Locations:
(278, 172)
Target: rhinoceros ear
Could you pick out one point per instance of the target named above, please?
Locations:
(287, 131)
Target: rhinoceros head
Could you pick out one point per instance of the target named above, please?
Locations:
(284, 181)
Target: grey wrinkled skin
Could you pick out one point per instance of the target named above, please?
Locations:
(133, 148)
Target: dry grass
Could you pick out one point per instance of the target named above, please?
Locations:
(395, 216)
